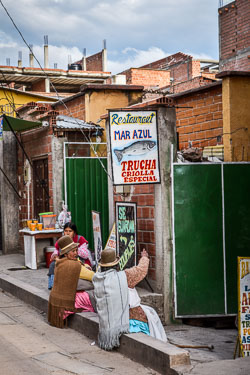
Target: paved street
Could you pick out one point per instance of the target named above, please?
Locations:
(30, 346)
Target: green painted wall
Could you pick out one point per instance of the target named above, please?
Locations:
(87, 190)
(199, 260)
(198, 239)
(237, 224)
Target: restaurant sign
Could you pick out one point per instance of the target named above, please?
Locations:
(244, 304)
(134, 147)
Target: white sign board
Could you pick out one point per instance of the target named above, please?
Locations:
(134, 147)
(97, 235)
(111, 243)
(244, 304)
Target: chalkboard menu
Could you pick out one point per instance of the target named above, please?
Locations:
(126, 233)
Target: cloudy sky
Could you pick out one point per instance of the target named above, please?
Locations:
(137, 31)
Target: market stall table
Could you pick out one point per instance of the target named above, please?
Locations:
(34, 244)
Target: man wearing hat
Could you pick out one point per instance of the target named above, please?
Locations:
(118, 304)
(64, 297)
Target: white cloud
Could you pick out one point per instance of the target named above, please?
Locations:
(134, 58)
(58, 55)
(6, 41)
(149, 28)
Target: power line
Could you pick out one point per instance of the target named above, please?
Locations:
(216, 136)
(58, 97)
(12, 103)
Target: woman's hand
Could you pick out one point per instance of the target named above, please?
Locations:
(144, 253)
(88, 266)
(53, 257)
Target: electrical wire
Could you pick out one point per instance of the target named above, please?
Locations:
(216, 136)
(52, 85)
(11, 102)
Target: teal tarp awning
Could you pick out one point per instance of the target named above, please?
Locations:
(18, 124)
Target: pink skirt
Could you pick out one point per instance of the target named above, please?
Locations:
(82, 301)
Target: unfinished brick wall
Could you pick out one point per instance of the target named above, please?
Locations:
(94, 62)
(182, 67)
(143, 195)
(234, 36)
(74, 108)
(164, 63)
(148, 77)
(201, 123)
(39, 86)
(188, 85)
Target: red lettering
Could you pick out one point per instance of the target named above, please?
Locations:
(142, 164)
(130, 165)
(123, 163)
(136, 164)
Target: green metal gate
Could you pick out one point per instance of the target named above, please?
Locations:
(211, 228)
(86, 190)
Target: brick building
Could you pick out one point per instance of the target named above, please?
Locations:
(199, 116)
(44, 145)
(52, 80)
(94, 100)
(174, 73)
(40, 168)
(234, 35)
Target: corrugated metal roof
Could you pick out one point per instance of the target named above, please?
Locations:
(67, 122)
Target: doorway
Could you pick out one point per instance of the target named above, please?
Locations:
(40, 186)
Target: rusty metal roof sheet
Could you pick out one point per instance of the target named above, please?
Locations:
(72, 123)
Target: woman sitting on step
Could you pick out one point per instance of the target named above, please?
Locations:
(70, 276)
(83, 252)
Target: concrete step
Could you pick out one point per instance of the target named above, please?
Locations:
(162, 357)
(154, 300)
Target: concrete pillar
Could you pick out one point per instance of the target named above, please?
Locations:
(31, 60)
(84, 60)
(19, 62)
(58, 172)
(46, 62)
(104, 57)
(46, 56)
(84, 65)
(236, 117)
(9, 199)
(163, 209)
